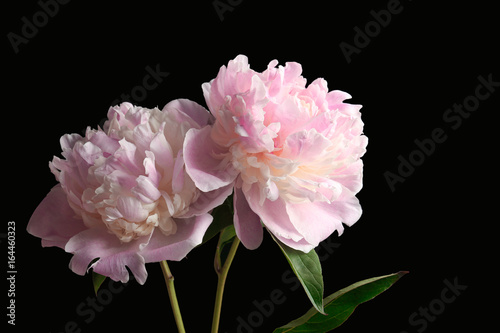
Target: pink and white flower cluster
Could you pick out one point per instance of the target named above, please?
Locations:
(141, 188)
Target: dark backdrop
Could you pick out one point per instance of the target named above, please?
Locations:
(412, 71)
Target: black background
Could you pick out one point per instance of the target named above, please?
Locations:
(439, 223)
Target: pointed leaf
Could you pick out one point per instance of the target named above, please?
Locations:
(307, 268)
(97, 280)
(340, 305)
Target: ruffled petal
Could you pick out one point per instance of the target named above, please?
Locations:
(301, 245)
(204, 163)
(306, 146)
(208, 201)
(190, 232)
(194, 110)
(145, 190)
(273, 214)
(335, 99)
(114, 255)
(347, 209)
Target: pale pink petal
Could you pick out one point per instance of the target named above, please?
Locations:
(288, 114)
(130, 208)
(54, 221)
(122, 179)
(335, 99)
(351, 176)
(118, 111)
(142, 136)
(246, 223)
(208, 201)
(145, 190)
(127, 156)
(114, 255)
(107, 144)
(239, 64)
(190, 232)
(88, 152)
(204, 163)
(178, 174)
(316, 92)
(313, 220)
(273, 214)
(150, 168)
(301, 244)
(162, 151)
(347, 209)
(67, 141)
(194, 110)
(292, 72)
(305, 146)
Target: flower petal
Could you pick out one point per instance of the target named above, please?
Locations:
(208, 201)
(176, 246)
(305, 146)
(113, 255)
(54, 221)
(200, 156)
(314, 220)
(194, 110)
(145, 190)
(128, 208)
(178, 173)
(68, 141)
(301, 245)
(348, 210)
(246, 223)
(162, 151)
(335, 98)
(273, 214)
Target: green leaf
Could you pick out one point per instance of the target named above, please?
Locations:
(307, 268)
(97, 280)
(223, 217)
(225, 240)
(340, 305)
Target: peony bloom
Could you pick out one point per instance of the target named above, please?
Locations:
(291, 152)
(124, 197)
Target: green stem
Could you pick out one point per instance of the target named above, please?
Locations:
(169, 280)
(222, 273)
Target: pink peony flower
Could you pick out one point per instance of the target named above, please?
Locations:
(124, 197)
(291, 152)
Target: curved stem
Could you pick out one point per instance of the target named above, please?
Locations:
(169, 280)
(222, 273)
